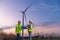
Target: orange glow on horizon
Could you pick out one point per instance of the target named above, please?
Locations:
(36, 30)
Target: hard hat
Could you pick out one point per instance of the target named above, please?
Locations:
(30, 22)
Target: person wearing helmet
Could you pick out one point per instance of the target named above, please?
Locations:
(18, 30)
(30, 29)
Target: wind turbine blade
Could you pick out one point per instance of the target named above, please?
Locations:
(27, 7)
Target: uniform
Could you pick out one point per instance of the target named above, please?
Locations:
(18, 30)
(29, 31)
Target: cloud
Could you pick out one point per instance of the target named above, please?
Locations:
(47, 13)
(50, 23)
(41, 12)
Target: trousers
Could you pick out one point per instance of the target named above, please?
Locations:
(17, 36)
(30, 37)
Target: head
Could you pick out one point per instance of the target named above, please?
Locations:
(30, 22)
(19, 22)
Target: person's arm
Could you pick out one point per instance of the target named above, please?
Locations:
(25, 27)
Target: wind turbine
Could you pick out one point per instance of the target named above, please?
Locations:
(23, 12)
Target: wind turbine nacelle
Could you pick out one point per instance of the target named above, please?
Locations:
(22, 11)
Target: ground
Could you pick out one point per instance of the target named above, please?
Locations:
(4, 36)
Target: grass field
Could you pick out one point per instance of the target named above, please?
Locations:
(4, 36)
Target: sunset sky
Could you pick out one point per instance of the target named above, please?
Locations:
(42, 12)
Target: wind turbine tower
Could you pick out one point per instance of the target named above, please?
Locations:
(23, 16)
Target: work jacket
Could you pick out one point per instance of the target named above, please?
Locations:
(18, 29)
(29, 28)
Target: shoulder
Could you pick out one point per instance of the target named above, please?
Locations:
(28, 25)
